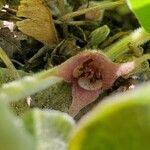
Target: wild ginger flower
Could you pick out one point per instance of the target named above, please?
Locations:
(90, 73)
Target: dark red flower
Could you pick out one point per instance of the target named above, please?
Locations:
(90, 73)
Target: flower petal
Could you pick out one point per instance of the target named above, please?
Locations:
(81, 98)
(108, 70)
(66, 68)
(107, 67)
(83, 92)
(125, 68)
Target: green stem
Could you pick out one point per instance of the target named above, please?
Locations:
(75, 23)
(13, 136)
(9, 64)
(102, 5)
(138, 37)
(28, 85)
(61, 5)
(40, 52)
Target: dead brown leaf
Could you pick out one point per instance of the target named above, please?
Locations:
(38, 23)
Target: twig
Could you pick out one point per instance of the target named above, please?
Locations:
(41, 51)
(102, 5)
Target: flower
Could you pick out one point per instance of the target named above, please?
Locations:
(90, 73)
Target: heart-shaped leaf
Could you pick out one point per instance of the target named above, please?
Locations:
(49, 128)
(12, 133)
(119, 123)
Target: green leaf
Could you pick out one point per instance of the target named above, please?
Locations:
(49, 128)
(28, 85)
(12, 134)
(141, 9)
(57, 96)
(118, 123)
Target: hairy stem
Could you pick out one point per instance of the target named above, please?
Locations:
(138, 37)
(28, 85)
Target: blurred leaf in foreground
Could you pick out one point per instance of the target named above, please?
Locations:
(57, 97)
(49, 128)
(38, 23)
(12, 135)
(141, 10)
(119, 123)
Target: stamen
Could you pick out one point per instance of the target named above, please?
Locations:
(88, 85)
(88, 75)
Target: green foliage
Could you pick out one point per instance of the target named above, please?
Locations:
(28, 85)
(119, 123)
(50, 129)
(141, 10)
(56, 97)
(39, 130)
(12, 133)
(99, 35)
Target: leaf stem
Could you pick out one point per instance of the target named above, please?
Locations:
(102, 5)
(61, 5)
(40, 52)
(12, 130)
(9, 64)
(29, 85)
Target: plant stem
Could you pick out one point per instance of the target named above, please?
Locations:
(28, 85)
(61, 6)
(138, 37)
(12, 130)
(40, 52)
(75, 23)
(9, 64)
(102, 5)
